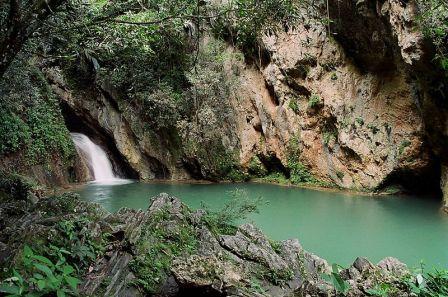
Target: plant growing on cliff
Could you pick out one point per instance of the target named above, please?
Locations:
(256, 167)
(30, 120)
(294, 105)
(434, 23)
(314, 101)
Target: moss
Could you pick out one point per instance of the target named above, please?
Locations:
(157, 248)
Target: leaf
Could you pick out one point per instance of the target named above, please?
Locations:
(38, 276)
(13, 289)
(44, 269)
(60, 293)
(27, 251)
(41, 284)
(67, 269)
(72, 281)
(18, 276)
(43, 260)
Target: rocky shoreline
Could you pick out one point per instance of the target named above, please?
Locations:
(170, 250)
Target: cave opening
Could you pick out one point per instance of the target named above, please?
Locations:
(424, 182)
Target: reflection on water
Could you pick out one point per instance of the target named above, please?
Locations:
(336, 226)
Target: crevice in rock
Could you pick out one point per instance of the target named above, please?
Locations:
(273, 96)
(86, 125)
(351, 155)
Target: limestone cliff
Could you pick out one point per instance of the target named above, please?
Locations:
(358, 103)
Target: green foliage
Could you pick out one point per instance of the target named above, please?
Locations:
(17, 186)
(334, 76)
(314, 101)
(328, 136)
(340, 175)
(381, 290)
(276, 177)
(40, 277)
(299, 174)
(14, 133)
(403, 145)
(434, 23)
(373, 128)
(247, 20)
(237, 209)
(75, 241)
(277, 277)
(432, 284)
(276, 245)
(360, 121)
(30, 119)
(341, 286)
(256, 167)
(294, 105)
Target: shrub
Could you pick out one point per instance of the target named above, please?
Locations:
(19, 187)
(294, 105)
(14, 133)
(256, 168)
(360, 121)
(40, 277)
(238, 208)
(314, 101)
(403, 145)
(299, 174)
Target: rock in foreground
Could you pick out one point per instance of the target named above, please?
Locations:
(170, 250)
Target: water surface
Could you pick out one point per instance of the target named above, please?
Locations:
(336, 226)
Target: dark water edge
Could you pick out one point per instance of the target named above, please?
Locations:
(337, 226)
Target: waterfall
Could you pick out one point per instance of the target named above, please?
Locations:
(96, 158)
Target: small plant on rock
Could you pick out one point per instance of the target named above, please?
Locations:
(341, 286)
(314, 101)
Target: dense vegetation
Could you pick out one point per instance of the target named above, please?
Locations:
(167, 61)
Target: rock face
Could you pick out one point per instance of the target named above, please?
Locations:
(99, 115)
(366, 128)
(355, 100)
(243, 264)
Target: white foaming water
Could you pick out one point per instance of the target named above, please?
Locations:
(97, 160)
